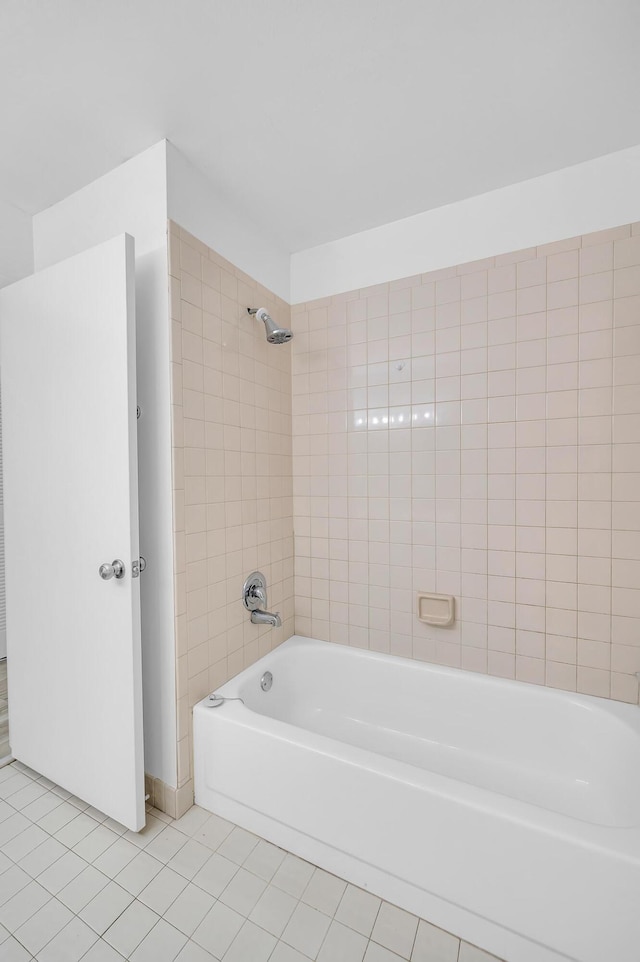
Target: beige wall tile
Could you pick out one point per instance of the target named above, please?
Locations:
(233, 490)
(468, 431)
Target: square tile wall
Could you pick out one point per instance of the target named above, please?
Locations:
(476, 431)
(232, 472)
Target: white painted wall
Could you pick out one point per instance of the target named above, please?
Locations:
(133, 194)
(132, 198)
(16, 244)
(16, 262)
(198, 206)
(588, 197)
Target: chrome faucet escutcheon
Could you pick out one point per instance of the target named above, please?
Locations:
(254, 598)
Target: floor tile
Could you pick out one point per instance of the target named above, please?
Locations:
(11, 827)
(434, 945)
(83, 888)
(162, 944)
(285, 953)
(162, 890)
(135, 876)
(160, 815)
(252, 943)
(324, 892)
(42, 857)
(215, 875)
(75, 830)
(243, 891)
(57, 817)
(238, 845)
(192, 821)
(358, 909)
(395, 929)
(116, 827)
(12, 881)
(95, 843)
(101, 951)
(41, 807)
(116, 857)
(23, 905)
(218, 929)
(342, 944)
(106, 907)
(306, 930)
(20, 766)
(273, 910)
(14, 783)
(189, 909)
(43, 780)
(130, 928)
(192, 952)
(61, 792)
(166, 844)
(142, 838)
(189, 859)
(265, 860)
(199, 889)
(61, 872)
(377, 953)
(213, 832)
(43, 926)
(70, 944)
(12, 951)
(293, 875)
(20, 846)
(27, 795)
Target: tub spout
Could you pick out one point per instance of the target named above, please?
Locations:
(266, 618)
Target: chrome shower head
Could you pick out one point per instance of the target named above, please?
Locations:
(275, 334)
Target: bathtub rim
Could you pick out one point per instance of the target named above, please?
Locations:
(583, 832)
(626, 712)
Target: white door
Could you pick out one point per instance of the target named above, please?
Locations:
(67, 360)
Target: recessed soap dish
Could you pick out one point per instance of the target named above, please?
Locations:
(434, 609)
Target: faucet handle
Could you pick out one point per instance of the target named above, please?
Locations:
(254, 591)
(261, 595)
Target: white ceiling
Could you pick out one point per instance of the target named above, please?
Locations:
(320, 118)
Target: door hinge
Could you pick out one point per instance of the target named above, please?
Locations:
(138, 412)
(137, 567)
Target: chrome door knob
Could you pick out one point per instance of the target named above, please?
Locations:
(114, 570)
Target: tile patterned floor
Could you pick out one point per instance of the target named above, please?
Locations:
(75, 885)
(4, 711)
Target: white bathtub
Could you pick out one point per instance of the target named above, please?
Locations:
(505, 813)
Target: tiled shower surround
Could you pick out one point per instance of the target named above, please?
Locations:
(232, 475)
(476, 431)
